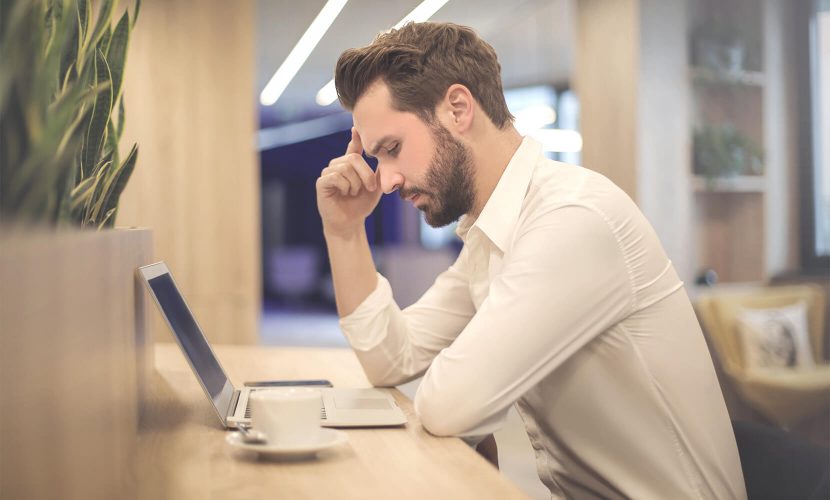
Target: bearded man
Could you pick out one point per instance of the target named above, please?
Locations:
(562, 301)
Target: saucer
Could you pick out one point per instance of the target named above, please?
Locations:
(325, 439)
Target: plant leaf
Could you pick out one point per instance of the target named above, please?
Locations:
(103, 22)
(117, 53)
(84, 15)
(104, 42)
(121, 117)
(54, 10)
(136, 10)
(95, 202)
(102, 163)
(82, 193)
(111, 147)
(118, 181)
(96, 132)
(109, 219)
(51, 152)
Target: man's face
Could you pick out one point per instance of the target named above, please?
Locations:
(424, 162)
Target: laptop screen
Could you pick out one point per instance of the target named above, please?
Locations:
(192, 341)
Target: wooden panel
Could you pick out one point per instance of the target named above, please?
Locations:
(72, 360)
(730, 235)
(183, 453)
(190, 104)
(606, 79)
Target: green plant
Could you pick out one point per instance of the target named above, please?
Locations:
(62, 112)
(722, 151)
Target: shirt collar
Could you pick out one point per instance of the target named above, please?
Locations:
(499, 215)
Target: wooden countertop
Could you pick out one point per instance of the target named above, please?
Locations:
(182, 451)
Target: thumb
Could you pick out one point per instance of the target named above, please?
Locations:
(355, 145)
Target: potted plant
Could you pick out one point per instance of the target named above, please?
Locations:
(721, 151)
(62, 113)
(73, 319)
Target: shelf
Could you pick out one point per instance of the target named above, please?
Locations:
(711, 76)
(697, 291)
(739, 184)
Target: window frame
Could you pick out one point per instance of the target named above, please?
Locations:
(805, 32)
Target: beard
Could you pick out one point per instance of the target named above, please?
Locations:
(449, 188)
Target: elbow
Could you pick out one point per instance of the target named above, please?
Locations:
(433, 420)
(440, 417)
(387, 378)
(380, 380)
(458, 411)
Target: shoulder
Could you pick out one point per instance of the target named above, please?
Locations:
(556, 185)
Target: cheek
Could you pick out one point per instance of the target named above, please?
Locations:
(418, 166)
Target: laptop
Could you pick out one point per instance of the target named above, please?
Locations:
(341, 407)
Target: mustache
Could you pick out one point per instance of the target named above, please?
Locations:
(407, 193)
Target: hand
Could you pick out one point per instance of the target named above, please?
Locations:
(347, 191)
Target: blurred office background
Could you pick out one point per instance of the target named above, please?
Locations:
(713, 115)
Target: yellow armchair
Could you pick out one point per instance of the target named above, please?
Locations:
(785, 396)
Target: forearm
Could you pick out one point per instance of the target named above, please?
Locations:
(395, 346)
(352, 269)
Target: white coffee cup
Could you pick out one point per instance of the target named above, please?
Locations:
(288, 416)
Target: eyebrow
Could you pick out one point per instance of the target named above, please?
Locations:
(374, 151)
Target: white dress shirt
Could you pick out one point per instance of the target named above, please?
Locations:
(563, 302)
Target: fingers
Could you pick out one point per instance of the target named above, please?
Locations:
(354, 172)
(363, 170)
(355, 145)
(355, 184)
(334, 182)
(350, 173)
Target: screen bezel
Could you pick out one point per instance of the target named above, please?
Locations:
(223, 400)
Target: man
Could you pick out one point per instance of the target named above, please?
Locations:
(562, 300)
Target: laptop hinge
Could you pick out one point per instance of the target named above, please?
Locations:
(232, 408)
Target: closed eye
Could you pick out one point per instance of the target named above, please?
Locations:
(393, 151)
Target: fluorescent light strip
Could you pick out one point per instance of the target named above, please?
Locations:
(286, 72)
(327, 94)
(424, 10)
(558, 140)
(534, 117)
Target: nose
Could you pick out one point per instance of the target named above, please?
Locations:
(390, 179)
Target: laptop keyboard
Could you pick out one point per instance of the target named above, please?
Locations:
(248, 411)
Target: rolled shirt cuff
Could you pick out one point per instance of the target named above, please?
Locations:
(365, 328)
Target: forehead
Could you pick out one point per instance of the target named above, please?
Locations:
(375, 118)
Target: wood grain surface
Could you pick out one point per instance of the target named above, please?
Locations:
(190, 104)
(183, 454)
(72, 361)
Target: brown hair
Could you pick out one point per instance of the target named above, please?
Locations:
(419, 62)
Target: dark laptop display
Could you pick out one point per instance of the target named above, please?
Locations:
(192, 340)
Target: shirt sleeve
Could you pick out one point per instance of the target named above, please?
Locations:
(395, 346)
(564, 282)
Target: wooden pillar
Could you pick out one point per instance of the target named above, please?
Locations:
(605, 79)
(190, 105)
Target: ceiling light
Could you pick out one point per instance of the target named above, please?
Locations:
(424, 10)
(558, 140)
(286, 72)
(327, 94)
(534, 117)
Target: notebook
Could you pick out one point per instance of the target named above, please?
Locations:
(341, 407)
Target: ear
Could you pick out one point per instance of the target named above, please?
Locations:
(459, 108)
